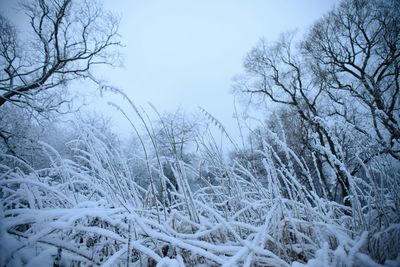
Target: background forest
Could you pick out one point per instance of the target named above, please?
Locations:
(314, 183)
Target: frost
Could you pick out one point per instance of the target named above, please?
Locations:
(92, 210)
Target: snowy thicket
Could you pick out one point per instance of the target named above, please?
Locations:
(91, 211)
(316, 184)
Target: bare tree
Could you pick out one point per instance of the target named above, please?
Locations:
(175, 134)
(355, 50)
(345, 71)
(66, 39)
(278, 72)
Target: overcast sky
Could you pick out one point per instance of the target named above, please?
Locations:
(183, 53)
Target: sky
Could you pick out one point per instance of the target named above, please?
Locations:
(184, 53)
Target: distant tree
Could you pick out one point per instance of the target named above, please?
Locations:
(175, 135)
(18, 138)
(66, 39)
(21, 131)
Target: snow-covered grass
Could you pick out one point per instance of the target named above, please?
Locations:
(92, 211)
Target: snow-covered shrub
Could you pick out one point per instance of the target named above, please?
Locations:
(90, 210)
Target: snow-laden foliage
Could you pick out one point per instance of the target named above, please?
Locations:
(91, 211)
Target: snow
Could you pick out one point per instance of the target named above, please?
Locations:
(92, 210)
(167, 262)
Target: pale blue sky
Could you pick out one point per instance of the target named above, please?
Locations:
(185, 53)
